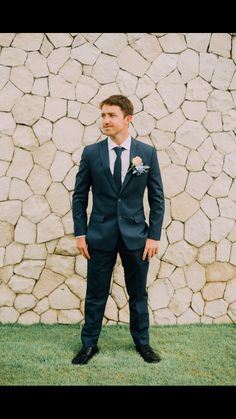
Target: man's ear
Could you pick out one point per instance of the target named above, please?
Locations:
(129, 118)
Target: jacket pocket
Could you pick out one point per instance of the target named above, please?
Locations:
(139, 218)
(97, 217)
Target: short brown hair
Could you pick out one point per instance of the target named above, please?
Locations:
(119, 100)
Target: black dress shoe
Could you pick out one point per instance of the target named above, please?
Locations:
(147, 353)
(85, 354)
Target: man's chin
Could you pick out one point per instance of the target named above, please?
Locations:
(107, 130)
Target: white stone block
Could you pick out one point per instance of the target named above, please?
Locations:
(180, 301)
(73, 316)
(212, 291)
(37, 64)
(180, 254)
(223, 73)
(188, 317)
(191, 134)
(35, 208)
(28, 318)
(223, 250)
(9, 95)
(12, 56)
(195, 276)
(148, 46)
(39, 180)
(22, 78)
(49, 317)
(173, 42)
(86, 89)
(28, 109)
(154, 105)
(10, 211)
(216, 308)
(47, 282)
(14, 253)
(7, 124)
(8, 315)
(43, 130)
(6, 39)
(20, 284)
(58, 87)
(50, 228)
(220, 44)
(19, 190)
(131, 61)
(220, 100)
(57, 58)
(164, 316)
(44, 155)
(28, 41)
(24, 137)
(67, 134)
(60, 39)
(174, 179)
(25, 231)
(40, 87)
(63, 298)
(198, 41)
(86, 53)
(71, 71)
(126, 82)
(111, 43)
(207, 65)
(60, 166)
(206, 254)
(163, 65)
(77, 285)
(188, 65)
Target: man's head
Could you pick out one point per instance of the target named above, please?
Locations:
(119, 100)
(117, 111)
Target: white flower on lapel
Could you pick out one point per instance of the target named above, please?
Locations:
(138, 166)
(136, 161)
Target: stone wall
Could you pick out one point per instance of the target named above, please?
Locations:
(183, 87)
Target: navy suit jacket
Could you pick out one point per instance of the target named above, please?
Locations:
(114, 211)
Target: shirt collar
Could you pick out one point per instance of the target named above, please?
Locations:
(126, 144)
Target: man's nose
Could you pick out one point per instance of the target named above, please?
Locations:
(106, 120)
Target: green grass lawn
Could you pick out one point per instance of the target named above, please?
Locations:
(191, 355)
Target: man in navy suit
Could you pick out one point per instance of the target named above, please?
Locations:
(118, 169)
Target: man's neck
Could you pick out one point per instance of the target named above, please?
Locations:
(120, 138)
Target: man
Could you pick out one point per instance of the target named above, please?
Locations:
(118, 169)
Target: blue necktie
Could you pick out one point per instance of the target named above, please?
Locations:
(117, 167)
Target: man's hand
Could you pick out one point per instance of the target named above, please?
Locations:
(82, 247)
(151, 249)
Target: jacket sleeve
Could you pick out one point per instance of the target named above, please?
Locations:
(155, 199)
(80, 197)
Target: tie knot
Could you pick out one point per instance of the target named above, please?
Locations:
(118, 150)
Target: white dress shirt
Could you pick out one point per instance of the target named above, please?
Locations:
(125, 157)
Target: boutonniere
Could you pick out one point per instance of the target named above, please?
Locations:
(137, 166)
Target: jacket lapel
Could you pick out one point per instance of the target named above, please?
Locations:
(104, 153)
(134, 151)
(106, 163)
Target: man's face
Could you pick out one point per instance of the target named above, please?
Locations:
(113, 120)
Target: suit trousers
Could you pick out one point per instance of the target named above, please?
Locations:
(99, 273)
